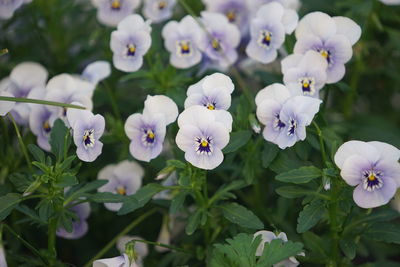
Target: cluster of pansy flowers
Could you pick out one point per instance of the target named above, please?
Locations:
(29, 80)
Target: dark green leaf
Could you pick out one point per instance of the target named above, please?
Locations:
(194, 221)
(58, 137)
(37, 153)
(349, 247)
(177, 202)
(77, 191)
(223, 191)
(387, 232)
(277, 250)
(46, 209)
(66, 179)
(241, 216)
(67, 163)
(310, 215)
(237, 140)
(269, 154)
(293, 191)
(21, 181)
(176, 163)
(107, 197)
(300, 176)
(8, 203)
(140, 198)
(316, 244)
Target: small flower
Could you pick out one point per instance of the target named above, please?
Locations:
(236, 11)
(6, 106)
(120, 261)
(141, 249)
(267, 237)
(332, 37)
(268, 30)
(304, 74)
(130, 42)
(96, 72)
(79, 226)
(371, 166)
(111, 12)
(124, 178)
(202, 136)
(160, 104)
(292, 4)
(221, 42)
(181, 40)
(213, 92)
(284, 117)
(8, 7)
(22, 80)
(40, 122)
(87, 129)
(158, 10)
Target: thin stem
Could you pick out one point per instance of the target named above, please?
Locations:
(161, 245)
(123, 232)
(114, 105)
(38, 101)
(25, 243)
(51, 241)
(321, 142)
(21, 142)
(333, 208)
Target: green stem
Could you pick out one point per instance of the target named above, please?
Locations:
(161, 245)
(321, 142)
(51, 241)
(25, 243)
(113, 100)
(334, 230)
(38, 101)
(21, 143)
(122, 233)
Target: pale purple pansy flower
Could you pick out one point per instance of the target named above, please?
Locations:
(291, 4)
(79, 226)
(268, 30)
(373, 168)
(236, 11)
(40, 122)
(158, 10)
(8, 7)
(65, 88)
(124, 178)
(141, 249)
(130, 42)
(267, 237)
(111, 12)
(87, 129)
(6, 106)
(213, 92)
(202, 135)
(181, 40)
(221, 42)
(96, 71)
(391, 2)
(24, 78)
(304, 74)
(120, 261)
(284, 117)
(332, 37)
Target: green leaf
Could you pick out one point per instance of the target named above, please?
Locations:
(269, 154)
(387, 232)
(78, 191)
(107, 197)
(37, 153)
(194, 221)
(223, 192)
(300, 176)
(21, 181)
(349, 248)
(57, 138)
(316, 244)
(277, 251)
(310, 215)
(293, 191)
(66, 179)
(241, 216)
(237, 140)
(176, 163)
(8, 203)
(67, 163)
(46, 209)
(140, 198)
(177, 202)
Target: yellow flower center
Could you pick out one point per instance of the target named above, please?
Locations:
(231, 15)
(324, 53)
(132, 49)
(121, 190)
(46, 126)
(162, 4)
(150, 135)
(204, 143)
(372, 177)
(267, 37)
(306, 84)
(210, 106)
(215, 44)
(116, 4)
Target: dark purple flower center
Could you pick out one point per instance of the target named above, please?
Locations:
(216, 45)
(88, 138)
(204, 145)
(115, 4)
(264, 40)
(46, 127)
(149, 137)
(278, 124)
(292, 127)
(131, 50)
(231, 15)
(183, 48)
(307, 85)
(372, 179)
(326, 54)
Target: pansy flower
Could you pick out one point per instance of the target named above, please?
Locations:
(141, 249)
(391, 2)
(124, 178)
(332, 37)
(111, 12)
(181, 40)
(96, 72)
(373, 168)
(291, 4)
(284, 117)
(87, 129)
(213, 92)
(202, 136)
(267, 237)
(147, 131)
(158, 10)
(24, 78)
(304, 74)
(130, 42)
(120, 261)
(79, 226)
(268, 31)
(236, 11)
(222, 39)
(40, 122)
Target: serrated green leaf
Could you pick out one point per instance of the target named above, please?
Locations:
(237, 140)
(176, 163)
(65, 180)
(140, 198)
(8, 203)
(386, 232)
(241, 216)
(316, 244)
(349, 248)
(21, 181)
(277, 250)
(67, 163)
(194, 221)
(177, 202)
(37, 153)
(300, 176)
(310, 216)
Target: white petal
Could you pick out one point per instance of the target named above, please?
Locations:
(161, 104)
(348, 28)
(29, 74)
(276, 91)
(6, 106)
(290, 20)
(360, 148)
(218, 80)
(316, 23)
(111, 262)
(387, 151)
(196, 115)
(290, 61)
